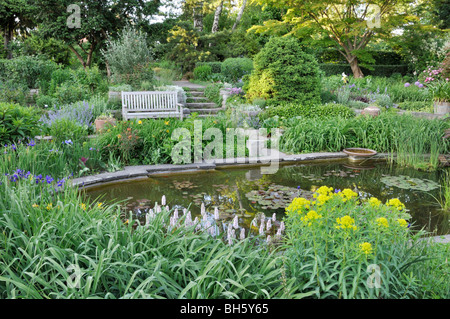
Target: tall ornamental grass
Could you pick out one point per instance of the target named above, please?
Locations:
(415, 141)
(57, 245)
(57, 159)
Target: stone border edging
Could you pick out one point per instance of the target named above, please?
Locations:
(132, 172)
(143, 171)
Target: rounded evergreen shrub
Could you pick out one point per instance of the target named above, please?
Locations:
(234, 69)
(283, 72)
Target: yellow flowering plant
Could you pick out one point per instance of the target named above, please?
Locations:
(344, 232)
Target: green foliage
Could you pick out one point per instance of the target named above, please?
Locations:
(334, 239)
(13, 92)
(31, 72)
(440, 89)
(216, 67)
(292, 110)
(17, 122)
(378, 69)
(150, 140)
(234, 69)
(212, 92)
(202, 72)
(118, 259)
(184, 51)
(284, 72)
(43, 101)
(412, 139)
(69, 86)
(129, 58)
(66, 129)
(58, 160)
(417, 106)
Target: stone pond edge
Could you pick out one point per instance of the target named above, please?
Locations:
(144, 171)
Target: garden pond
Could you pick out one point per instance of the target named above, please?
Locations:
(247, 193)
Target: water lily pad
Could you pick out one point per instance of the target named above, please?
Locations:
(406, 182)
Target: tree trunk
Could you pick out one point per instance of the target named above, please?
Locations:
(7, 37)
(79, 57)
(239, 16)
(357, 73)
(198, 16)
(215, 26)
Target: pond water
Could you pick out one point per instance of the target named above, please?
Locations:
(247, 193)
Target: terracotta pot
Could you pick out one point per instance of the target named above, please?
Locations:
(359, 154)
(102, 124)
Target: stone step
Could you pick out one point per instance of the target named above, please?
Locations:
(196, 99)
(207, 105)
(195, 93)
(206, 111)
(194, 88)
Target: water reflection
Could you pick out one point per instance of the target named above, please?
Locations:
(248, 194)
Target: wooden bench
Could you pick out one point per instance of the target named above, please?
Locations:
(151, 104)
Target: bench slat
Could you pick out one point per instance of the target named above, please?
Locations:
(151, 104)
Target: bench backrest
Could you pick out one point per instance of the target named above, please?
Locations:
(150, 100)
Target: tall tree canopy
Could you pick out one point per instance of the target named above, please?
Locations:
(15, 15)
(98, 20)
(350, 24)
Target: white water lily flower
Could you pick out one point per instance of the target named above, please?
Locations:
(235, 222)
(203, 209)
(242, 235)
(216, 213)
(261, 229)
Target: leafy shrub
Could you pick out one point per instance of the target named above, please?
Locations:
(284, 73)
(414, 105)
(12, 92)
(68, 93)
(17, 122)
(216, 67)
(212, 92)
(29, 71)
(69, 86)
(333, 239)
(45, 101)
(121, 87)
(234, 69)
(202, 72)
(291, 110)
(129, 58)
(64, 129)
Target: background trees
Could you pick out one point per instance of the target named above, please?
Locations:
(350, 25)
(99, 20)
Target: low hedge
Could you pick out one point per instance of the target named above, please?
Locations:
(309, 111)
(216, 67)
(378, 70)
